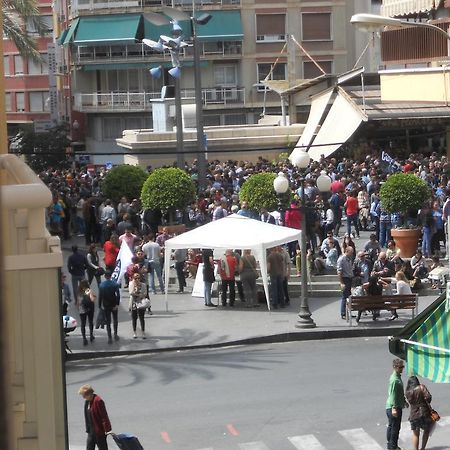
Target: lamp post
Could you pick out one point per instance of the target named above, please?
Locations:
(281, 185)
(174, 46)
(373, 22)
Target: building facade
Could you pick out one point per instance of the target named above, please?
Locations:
(243, 43)
(26, 81)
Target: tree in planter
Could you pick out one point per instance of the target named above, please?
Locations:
(124, 180)
(259, 193)
(168, 189)
(405, 193)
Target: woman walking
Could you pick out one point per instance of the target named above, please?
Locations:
(208, 275)
(419, 399)
(249, 275)
(93, 265)
(111, 249)
(138, 292)
(86, 302)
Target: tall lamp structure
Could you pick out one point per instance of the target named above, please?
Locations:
(281, 185)
(174, 45)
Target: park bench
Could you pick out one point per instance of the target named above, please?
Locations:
(382, 302)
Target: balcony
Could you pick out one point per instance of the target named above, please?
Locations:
(414, 45)
(141, 101)
(91, 5)
(140, 52)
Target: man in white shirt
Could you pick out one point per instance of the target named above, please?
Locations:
(108, 212)
(152, 252)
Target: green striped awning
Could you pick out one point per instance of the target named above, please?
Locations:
(428, 349)
(70, 32)
(62, 36)
(109, 29)
(223, 26)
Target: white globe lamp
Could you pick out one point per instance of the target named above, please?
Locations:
(281, 183)
(301, 159)
(323, 182)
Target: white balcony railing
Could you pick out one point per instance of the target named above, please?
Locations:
(82, 5)
(140, 101)
(140, 52)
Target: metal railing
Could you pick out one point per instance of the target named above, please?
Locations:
(79, 5)
(135, 52)
(140, 101)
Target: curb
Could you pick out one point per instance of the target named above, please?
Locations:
(272, 339)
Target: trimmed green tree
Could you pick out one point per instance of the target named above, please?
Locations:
(404, 192)
(124, 180)
(168, 189)
(259, 193)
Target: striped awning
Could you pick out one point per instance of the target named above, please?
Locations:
(428, 349)
(404, 7)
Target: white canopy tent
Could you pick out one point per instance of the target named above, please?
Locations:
(233, 232)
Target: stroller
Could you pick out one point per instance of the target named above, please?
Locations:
(69, 325)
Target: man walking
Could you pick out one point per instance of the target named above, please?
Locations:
(109, 299)
(152, 252)
(345, 272)
(394, 405)
(76, 265)
(96, 419)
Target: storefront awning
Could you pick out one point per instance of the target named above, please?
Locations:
(425, 343)
(62, 36)
(70, 32)
(109, 29)
(405, 7)
(223, 26)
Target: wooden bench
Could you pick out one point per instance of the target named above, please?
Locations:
(385, 302)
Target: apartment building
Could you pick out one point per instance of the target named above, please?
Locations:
(245, 40)
(26, 81)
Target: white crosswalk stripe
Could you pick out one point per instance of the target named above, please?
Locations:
(360, 440)
(306, 442)
(253, 446)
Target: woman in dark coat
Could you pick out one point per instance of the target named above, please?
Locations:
(208, 275)
(419, 399)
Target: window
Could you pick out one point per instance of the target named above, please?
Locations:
(270, 27)
(316, 26)
(38, 101)
(6, 66)
(310, 70)
(45, 21)
(8, 106)
(235, 119)
(112, 128)
(20, 101)
(38, 68)
(277, 72)
(225, 75)
(18, 65)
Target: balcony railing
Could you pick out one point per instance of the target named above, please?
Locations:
(413, 45)
(140, 52)
(80, 5)
(140, 101)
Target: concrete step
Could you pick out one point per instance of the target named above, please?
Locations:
(321, 278)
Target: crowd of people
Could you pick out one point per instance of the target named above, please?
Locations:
(80, 208)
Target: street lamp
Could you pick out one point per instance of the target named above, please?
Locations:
(281, 186)
(373, 22)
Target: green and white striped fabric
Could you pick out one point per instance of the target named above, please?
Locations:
(428, 349)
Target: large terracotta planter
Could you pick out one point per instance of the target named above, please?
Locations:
(406, 240)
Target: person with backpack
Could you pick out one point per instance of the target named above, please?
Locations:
(109, 300)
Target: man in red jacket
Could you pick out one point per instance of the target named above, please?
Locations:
(96, 418)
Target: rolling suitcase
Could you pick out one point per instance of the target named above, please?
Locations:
(127, 441)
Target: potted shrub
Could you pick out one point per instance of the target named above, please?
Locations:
(403, 193)
(168, 189)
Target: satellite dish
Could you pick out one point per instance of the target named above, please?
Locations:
(176, 14)
(156, 19)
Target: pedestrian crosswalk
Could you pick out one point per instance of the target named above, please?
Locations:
(349, 439)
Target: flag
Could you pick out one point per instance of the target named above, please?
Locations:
(386, 158)
(122, 262)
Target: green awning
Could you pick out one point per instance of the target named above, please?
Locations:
(62, 36)
(223, 26)
(71, 31)
(425, 343)
(110, 29)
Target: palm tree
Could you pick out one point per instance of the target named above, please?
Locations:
(16, 15)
